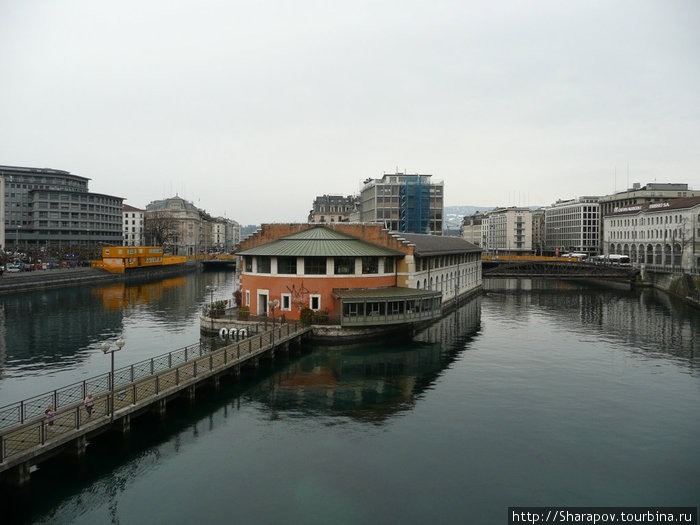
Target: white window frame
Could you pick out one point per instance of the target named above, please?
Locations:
(288, 297)
(247, 297)
(311, 302)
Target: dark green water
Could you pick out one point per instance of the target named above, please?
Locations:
(535, 394)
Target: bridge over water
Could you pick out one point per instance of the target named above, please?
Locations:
(555, 268)
(27, 438)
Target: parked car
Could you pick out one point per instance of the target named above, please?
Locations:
(13, 267)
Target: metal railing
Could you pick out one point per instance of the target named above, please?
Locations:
(33, 407)
(134, 384)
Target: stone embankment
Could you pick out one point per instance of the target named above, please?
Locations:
(682, 285)
(12, 282)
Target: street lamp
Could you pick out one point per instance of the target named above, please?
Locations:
(108, 350)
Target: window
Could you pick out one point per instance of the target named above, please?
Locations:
(314, 266)
(315, 302)
(247, 297)
(344, 265)
(263, 264)
(286, 301)
(388, 265)
(370, 265)
(287, 265)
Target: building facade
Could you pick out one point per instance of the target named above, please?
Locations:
(573, 226)
(404, 203)
(175, 224)
(226, 234)
(470, 230)
(359, 274)
(507, 231)
(333, 208)
(638, 195)
(538, 231)
(133, 232)
(662, 235)
(52, 209)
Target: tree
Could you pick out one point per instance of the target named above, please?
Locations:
(160, 229)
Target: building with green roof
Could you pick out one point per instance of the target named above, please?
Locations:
(355, 275)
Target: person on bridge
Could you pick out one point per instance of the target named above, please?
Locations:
(89, 403)
(50, 415)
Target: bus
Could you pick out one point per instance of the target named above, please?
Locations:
(614, 259)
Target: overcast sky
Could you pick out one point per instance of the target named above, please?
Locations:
(250, 109)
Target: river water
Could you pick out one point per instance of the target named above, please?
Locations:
(538, 393)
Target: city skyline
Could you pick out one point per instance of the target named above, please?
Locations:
(251, 110)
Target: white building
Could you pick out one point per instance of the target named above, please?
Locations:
(507, 230)
(132, 224)
(573, 226)
(662, 235)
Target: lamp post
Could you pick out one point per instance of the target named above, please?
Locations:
(17, 239)
(106, 348)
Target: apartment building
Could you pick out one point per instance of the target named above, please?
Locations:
(507, 230)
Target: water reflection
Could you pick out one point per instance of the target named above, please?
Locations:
(643, 320)
(374, 383)
(56, 332)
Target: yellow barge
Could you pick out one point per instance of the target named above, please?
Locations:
(123, 259)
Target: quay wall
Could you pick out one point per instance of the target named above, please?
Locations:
(684, 286)
(64, 277)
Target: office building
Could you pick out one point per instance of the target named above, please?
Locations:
(404, 203)
(52, 210)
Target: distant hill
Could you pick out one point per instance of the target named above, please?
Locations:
(248, 230)
(453, 215)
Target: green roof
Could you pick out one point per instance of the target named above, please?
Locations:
(320, 242)
(391, 292)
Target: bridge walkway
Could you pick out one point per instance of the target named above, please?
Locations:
(31, 440)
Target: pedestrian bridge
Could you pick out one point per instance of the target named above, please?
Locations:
(26, 439)
(555, 268)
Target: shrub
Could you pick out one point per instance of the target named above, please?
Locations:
(243, 312)
(306, 316)
(321, 317)
(217, 309)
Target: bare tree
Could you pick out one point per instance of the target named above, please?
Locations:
(160, 229)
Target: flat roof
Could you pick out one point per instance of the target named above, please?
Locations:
(390, 292)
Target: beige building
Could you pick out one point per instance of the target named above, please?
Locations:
(470, 230)
(333, 208)
(175, 224)
(507, 231)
